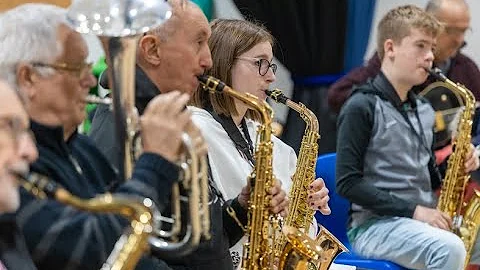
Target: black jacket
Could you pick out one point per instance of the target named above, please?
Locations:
(61, 237)
(13, 250)
(213, 254)
(102, 130)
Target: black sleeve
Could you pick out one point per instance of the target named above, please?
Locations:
(354, 129)
(153, 177)
(62, 237)
(102, 133)
(230, 225)
(437, 172)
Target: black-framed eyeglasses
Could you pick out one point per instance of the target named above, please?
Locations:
(80, 70)
(263, 64)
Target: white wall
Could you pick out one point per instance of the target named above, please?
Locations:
(473, 38)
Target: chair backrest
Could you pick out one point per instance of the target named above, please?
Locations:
(336, 222)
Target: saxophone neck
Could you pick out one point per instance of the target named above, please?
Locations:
(214, 85)
(307, 115)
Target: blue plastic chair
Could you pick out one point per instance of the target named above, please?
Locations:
(336, 222)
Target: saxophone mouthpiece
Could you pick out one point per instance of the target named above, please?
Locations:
(36, 183)
(211, 84)
(202, 78)
(437, 73)
(277, 95)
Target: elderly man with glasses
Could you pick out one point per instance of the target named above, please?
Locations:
(455, 17)
(17, 151)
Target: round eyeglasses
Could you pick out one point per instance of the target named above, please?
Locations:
(263, 64)
(81, 70)
(15, 130)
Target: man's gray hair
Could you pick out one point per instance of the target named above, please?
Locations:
(28, 33)
(433, 6)
(168, 28)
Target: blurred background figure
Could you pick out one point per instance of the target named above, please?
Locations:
(17, 151)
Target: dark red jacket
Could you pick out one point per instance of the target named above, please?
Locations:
(462, 70)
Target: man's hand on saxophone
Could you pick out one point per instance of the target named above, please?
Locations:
(318, 197)
(279, 202)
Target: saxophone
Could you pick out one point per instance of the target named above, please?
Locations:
(258, 251)
(466, 217)
(300, 215)
(133, 243)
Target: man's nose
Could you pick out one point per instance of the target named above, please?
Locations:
(89, 81)
(206, 59)
(27, 148)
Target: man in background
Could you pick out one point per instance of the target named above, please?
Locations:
(455, 17)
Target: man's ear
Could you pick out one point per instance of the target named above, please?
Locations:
(148, 47)
(389, 48)
(26, 78)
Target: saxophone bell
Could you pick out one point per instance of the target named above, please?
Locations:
(132, 244)
(300, 251)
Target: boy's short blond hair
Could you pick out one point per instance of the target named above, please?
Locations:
(399, 22)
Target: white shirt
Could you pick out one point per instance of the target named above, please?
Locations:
(230, 170)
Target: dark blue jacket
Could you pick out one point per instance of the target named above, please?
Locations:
(13, 250)
(61, 237)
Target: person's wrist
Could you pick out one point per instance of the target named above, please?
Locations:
(243, 201)
(417, 212)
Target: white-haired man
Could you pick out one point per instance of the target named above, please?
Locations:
(17, 151)
(44, 59)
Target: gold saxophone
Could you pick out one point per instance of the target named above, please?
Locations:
(134, 241)
(258, 251)
(466, 217)
(300, 214)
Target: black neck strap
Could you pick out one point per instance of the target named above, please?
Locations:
(243, 144)
(435, 177)
(409, 105)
